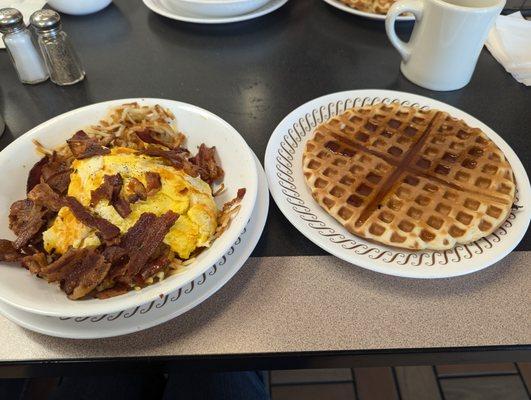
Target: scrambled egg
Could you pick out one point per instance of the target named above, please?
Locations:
(189, 197)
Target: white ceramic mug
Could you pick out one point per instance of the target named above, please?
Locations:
(446, 40)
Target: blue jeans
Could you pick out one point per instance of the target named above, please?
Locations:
(247, 385)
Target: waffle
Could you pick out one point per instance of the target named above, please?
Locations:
(370, 6)
(409, 177)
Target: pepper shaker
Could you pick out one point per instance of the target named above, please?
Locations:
(24, 56)
(61, 59)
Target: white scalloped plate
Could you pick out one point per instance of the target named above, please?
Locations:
(19, 289)
(283, 164)
(160, 310)
(377, 17)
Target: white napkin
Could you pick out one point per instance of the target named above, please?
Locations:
(509, 42)
(26, 7)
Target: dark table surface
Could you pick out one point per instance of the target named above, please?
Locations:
(252, 74)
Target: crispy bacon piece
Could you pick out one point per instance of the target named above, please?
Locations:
(51, 170)
(142, 241)
(148, 135)
(114, 254)
(153, 183)
(82, 280)
(152, 267)
(110, 190)
(111, 184)
(35, 263)
(176, 157)
(26, 220)
(106, 229)
(43, 195)
(64, 265)
(116, 290)
(83, 146)
(205, 160)
(35, 174)
(122, 207)
(8, 252)
(138, 189)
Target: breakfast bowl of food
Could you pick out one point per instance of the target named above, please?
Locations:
(113, 205)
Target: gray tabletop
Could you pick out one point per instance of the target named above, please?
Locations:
(252, 74)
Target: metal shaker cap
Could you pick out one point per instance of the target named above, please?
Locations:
(45, 20)
(10, 20)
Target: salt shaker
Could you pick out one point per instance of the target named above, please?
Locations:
(26, 58)
(61, 59)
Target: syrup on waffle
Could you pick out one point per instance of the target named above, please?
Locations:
(370, 6)
(409, 177)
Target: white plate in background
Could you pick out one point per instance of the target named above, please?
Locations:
(158, 7)
(214, 8)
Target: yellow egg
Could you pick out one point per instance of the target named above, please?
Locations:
(187, 196)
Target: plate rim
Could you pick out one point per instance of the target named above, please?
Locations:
(252, 241)
(363, 14)
(253, 190)
(356, 259)
(157, 8)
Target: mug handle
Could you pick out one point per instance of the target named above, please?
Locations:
(413, 6)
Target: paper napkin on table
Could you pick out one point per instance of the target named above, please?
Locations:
(26, 7)
(509, 42)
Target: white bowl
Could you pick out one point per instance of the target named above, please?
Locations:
(215, 8)
(29, 293)
(78, 7)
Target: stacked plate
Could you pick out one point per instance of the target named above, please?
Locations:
(213, 11)
(42, 307)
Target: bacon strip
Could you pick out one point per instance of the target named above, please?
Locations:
(205, 160)
(35, 263)
(110, 190)
(138, 189)
(153, 183)
(35, 174)
(107, 230)
(116, 290)
(43, 195)
(141, 241)
(51, 170)
(26, 220)
(83, 146)
(64, 265)
(151, 136)
(176, 157)
(83, 279)
(122, 206)
(8, 252)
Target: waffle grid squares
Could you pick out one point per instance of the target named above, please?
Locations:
(428, 195)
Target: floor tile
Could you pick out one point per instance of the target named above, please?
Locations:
(509, 387)
(525, 372)
(375, 384)
(310, 375)
(328, 391)
(417, 383)
(476, 369)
